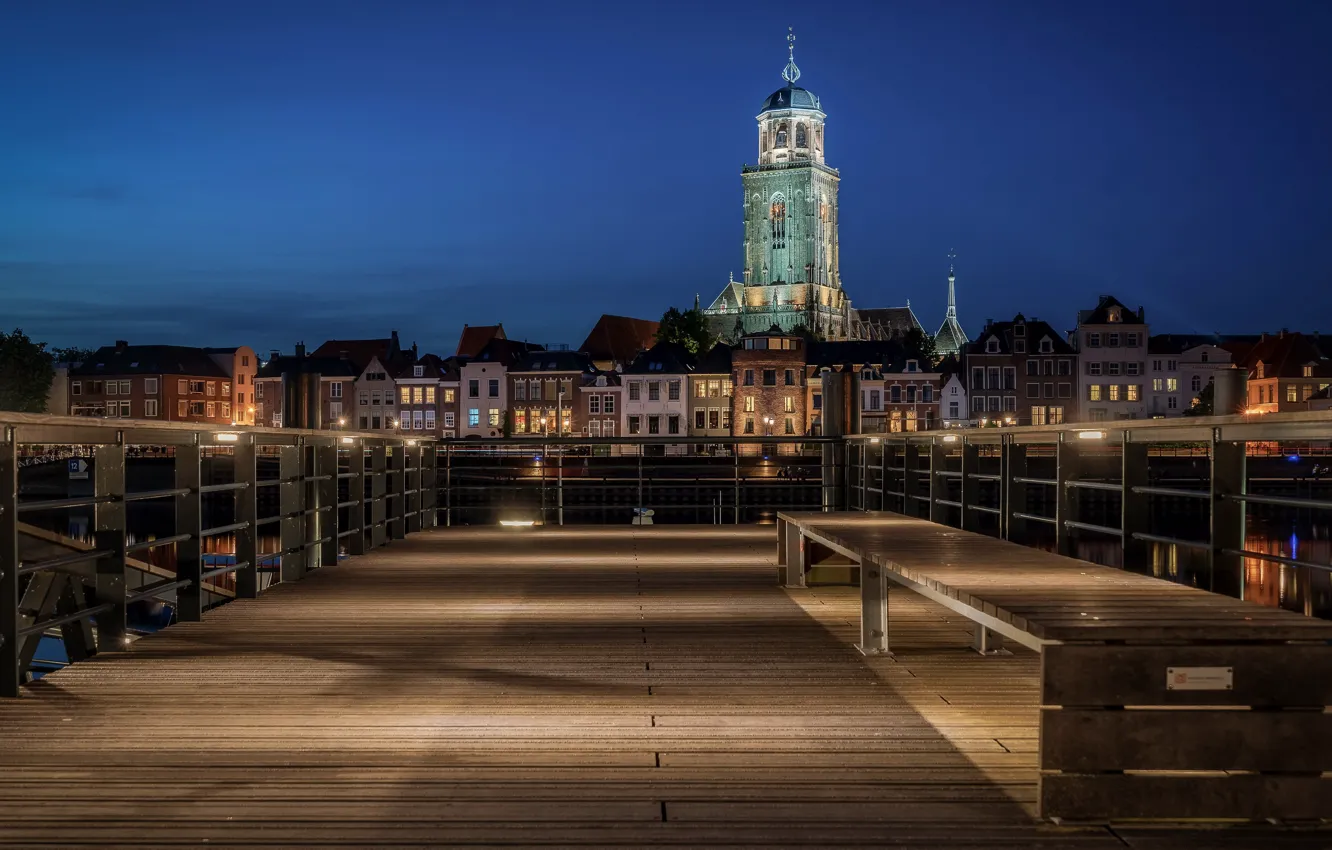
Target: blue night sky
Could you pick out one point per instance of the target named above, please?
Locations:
(266, 172)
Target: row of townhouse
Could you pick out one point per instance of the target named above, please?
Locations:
(169, 383)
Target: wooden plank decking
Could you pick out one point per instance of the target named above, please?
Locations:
(585, 687)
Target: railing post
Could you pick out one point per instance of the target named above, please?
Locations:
(292, 504)
(1228, 477)
(448, 486)
(938, 483)
(429, 484)
(326, 490)
(109, 534)
(1013, 494)
(910, 478)
(1135, 516)
(883, 474)
(873, 610)
(1067, 468)
(735, 510)
(245, 463)
(970, 492)
(378, 491)
(356, 493)
(412, 515)
(397, 483)
(10, 674)
(189, 520)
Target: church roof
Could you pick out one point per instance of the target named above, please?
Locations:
(950, 338)
(791, 96)
(887, 322)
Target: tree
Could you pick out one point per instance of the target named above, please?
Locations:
(920, 346)
(25, 373)
(1202, 405)
(802, 330)
(689, 328)
(72, 354)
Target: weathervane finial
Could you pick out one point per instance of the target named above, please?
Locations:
(790, 73)
(952, 255)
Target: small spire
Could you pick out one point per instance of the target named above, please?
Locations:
(790, 73)
(952, 298)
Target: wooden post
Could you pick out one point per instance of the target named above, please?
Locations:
(910, 478)
(244, 461)
(1228, 515)
(938, 483)
(1134, 515)
(11, 676)
(1067, 468)
(1013, 494)
(109, 534)
(189, 520)
(378, 491)
(970, 492)
(356, 493)
(326, 492)
(292, 503)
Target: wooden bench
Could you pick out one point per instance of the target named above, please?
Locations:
(1158, 700)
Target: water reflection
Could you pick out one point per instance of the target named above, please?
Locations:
(1304, 590)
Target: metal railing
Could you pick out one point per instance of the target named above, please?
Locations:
(574, 480)
(325, 492)
(1044, 476)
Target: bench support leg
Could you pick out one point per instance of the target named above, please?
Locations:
(873, 610)
(794, 544)
(987, 642)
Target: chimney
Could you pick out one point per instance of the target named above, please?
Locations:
(413, 351)
(274, 354)
(121, 345)
(300, 349)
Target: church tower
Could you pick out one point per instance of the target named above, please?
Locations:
(791, 272)
(950, 338)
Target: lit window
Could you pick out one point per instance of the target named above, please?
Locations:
(449, 395)
(1172, 385)
(1292, 394)
(749, 404)
(790, 404)
(493, 418)
(473, 418)
(150, 407)
(429, 395)
(405, 395)
(1134, 391)
(1094, 392)
(1114, 392)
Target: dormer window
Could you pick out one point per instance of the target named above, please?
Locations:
(418, 371)
(867, 374)
(1204, 357)
(1047, 347)
(912, 366)
(1113, 315)
(1308, 370)
(992, 346)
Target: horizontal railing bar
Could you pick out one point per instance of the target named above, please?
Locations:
(901, 494)
(949, 502)
(920, 498)
(53, 504)
(312, 543)
(1174, 541)
(984, 476)
(223, 570)
(1087, 526)
(1280, 559)
(267, 520)
(1282, 501)
(318, 477)
(39, 627)
(157, 494)
(984, 509)
(349, 532)
(1172, 491)
(63, 561)
(342, 475)
(1095, 485)
(1035, 517)
(349, 503)
(218, 488)
(223, 529)
(948, 473)
(1022, 479)
(160, 541)
(150, 590)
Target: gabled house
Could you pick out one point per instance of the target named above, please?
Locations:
(656, 400)
(483, 387)
(1111, 344)
(170, 383)
(710, 390)
(1286, 370)
(1021, 372)
(544, 393)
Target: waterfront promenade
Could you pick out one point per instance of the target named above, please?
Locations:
(594, 686)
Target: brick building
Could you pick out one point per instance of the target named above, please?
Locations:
(710, 390)
(483, 387)
(169, 383)
(544, 389)
(1022, 372)
(768, 373)
(337, 381)
(600, 402)
(420, 402)
(241, 363)
(1286, 372)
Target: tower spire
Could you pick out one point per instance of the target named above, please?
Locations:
(952, 297)
(790, 73)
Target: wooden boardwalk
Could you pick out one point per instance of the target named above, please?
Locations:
(595, 687)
